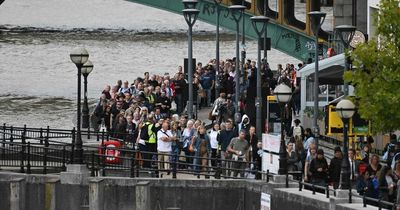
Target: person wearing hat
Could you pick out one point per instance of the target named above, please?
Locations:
(319, 169)
(335, 167)
(297, 130)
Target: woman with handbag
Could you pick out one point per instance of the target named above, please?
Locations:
(186, 139)
(202, 149)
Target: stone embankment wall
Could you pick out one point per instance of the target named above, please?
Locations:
(48, 192)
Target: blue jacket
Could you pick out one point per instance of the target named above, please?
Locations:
(197, 142)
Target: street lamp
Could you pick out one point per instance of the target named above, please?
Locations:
(79, 56)
(237, 13)
(283, 94)
(317, 19)
(260, 26)
(217, 12)
(189, 4)
(86, 69)
(346, 34)
(190, 17)
(345, 109)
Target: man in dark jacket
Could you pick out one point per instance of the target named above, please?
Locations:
(319, 169)
(224, 138)
(335, 168)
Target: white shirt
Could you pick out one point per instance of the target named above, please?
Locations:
(164, 146)
(213, 139)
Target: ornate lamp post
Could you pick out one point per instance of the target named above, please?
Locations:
(237, 13)
(190, 15)
(346, 34)
(189, 4)
(283, 94)
(260, 26)
(317, 19)
(217, 12)
(79, 57)
(345, 109)
(86, 69)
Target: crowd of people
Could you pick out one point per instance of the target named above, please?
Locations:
(150, 112)
(369, 175)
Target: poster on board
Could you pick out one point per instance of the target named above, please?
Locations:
(271, 143)
(270, 162)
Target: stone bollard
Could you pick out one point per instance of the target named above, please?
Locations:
(75, 174)
(50, 193)
(17, 194)
(96, 195)
(143, 200)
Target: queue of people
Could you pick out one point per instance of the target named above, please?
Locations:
(368, 175)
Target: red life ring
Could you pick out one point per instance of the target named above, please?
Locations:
(111, 152)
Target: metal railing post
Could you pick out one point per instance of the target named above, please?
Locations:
(97, 136)
(327, 190)
(41, 135)
(217, 174)
(48, 131)
(63, 167)
(313, 189)
(88, 132)
(73, 146)
(133, 164)
(4, 131)
(379, 203)
(103, 172)
(28, 165)
(11, 134)
(350, 194)
(22, 154)
(267, 176)
(46, 147)
(174, 165)
(92, 174)
(287, 180)
(300, 185)
(137, 163)
(364, 201)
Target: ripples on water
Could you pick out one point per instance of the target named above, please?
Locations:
(37, 78)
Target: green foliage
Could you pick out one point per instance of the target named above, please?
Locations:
(376, 75)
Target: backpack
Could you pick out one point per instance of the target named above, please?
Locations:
(144, 132)
(297, 131)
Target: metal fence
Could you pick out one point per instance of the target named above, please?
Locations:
(37, 150)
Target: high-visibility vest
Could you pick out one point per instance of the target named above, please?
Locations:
(152, 135)
(150, 98)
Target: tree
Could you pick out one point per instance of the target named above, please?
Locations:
(376, 76)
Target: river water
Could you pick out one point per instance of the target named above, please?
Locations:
(124, 40)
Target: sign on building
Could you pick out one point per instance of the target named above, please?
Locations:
(265, 201)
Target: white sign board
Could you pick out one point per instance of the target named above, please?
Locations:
(265, 201)
(271, 143)
(270, 162)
